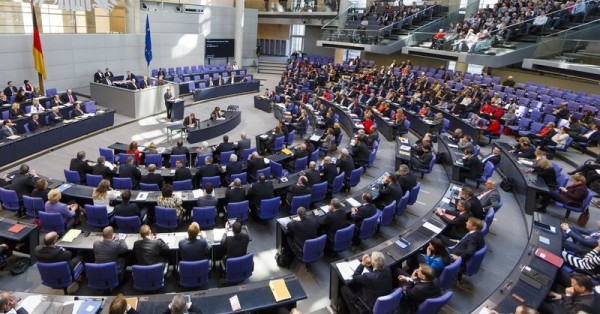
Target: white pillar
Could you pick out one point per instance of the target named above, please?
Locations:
(239, 31)
(132, 12)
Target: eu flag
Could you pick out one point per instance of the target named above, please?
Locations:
(148, 52)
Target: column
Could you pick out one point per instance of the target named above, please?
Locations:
(461, 66)
(132, 13)
(239, 31)
(338, 56)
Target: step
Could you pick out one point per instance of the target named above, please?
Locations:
(263, 71)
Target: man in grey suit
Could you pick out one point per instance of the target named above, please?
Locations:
(168, 103)
(207, 199)
(242, 144)
(109, 250)
(490, 197)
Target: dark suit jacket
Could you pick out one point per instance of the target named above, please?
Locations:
(361, 152)
(254, 165)
(233, 168)
(297, 190)
(81, 166)
(193, 249)
(373, 284)
(332, 222)
(476, 208)
(148, 251)
(98, 77)
(242, 144)
(236, 245)
(106, 251)
(234, 195)
(364, 211)
(224, 147)
(180, 150)
(34, 125)
(104, 171)
(260, 191)
(469, 245)
(65, 98)
(302, 230)
(313, 177)
(474, 166)
(182, 173)
(406, 182)
(53, 254)
(346, 165)
(128, 210)
(388, 194)
(210, 170)
(456, 227)
(329, 173)
(494, 159)
(23, 184)
(418, 291)
(153, 178)
(130, 171)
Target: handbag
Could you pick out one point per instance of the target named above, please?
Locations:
(506, 185)
(583, 218)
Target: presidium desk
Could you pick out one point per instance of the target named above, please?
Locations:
(132, 103)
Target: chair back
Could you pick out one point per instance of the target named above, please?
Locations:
(155, 159)
(300, 164)
(387, 214)
(97, 216)
(319, 192)
(401, 208)
(193, 274)
(450, 274)
(474, 263)
(52, 222)
(276, 169)
(9, 199)
(368, 227)
(388, 304)
(108, 154)
(240, 268)
(290, 137)
(414, 192)
(314, 156)
(204, 216)
(247, 152)
(92, 179)
(122, 183)
(149, 187)
(238, 210)
(148, 278)
(123, 158)
(485, 229)
(489, 217)
(185, 185)
(216, 182)
(269, 208)
(278, 144)
(314, 249)
(355, 176)
(55, 275)
(102, 276)
(242, 176)
(266, 171)
(343, 238)
(372, 157)
(33, 205)
(434, 305)
(72, 177)
(174, 158)
(166, 217)
(338, 183)
(200, 160)
(128, 224)
(224, 157)
(557, 168)
(300, 201)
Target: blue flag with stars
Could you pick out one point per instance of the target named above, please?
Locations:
(148, 52)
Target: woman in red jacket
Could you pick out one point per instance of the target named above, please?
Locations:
(494, 126)
(572, 195)
(133, 149)
(367, 123)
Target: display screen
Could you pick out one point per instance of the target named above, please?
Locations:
(219, 48)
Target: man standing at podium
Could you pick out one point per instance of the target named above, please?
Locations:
(168, 102)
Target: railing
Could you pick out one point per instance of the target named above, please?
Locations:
(293, 5)
(570, 40)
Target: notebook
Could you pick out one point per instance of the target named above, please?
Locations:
(279, 290)
(89, 307)
(549, 257)
(16, 228)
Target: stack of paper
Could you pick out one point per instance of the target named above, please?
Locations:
(405, 147)
(353, 202)
(71, 235)
(432, 227)
(347, 268)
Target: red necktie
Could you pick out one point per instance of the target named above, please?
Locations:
(71, 98)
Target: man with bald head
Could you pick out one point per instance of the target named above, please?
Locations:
(312, 174)
(50, 253)
(8, 303)
(110, 249)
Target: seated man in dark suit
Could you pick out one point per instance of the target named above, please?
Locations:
(494, 157)
(422, 285)
(235, 193)
(149, 250)
(422, 160)
(255, 163)
(299, 189)
(152, 178)
(8, 128)
(55, 116)
(233, 167)
(345, 163)
(80, 165)
(193, 248)
(472, 167)
(456, 226)
(24, 181)
(181, 172)
(208, 169)
(243, 143)
(180, 149)
(490, 197)
(406, 180)
(360, 153)
(582, 240)
(300, 231)
(332, 221)
(329, 171)
(34, 123)
(469, 243)
(263, 189)
(110, 249)
(475, 206)
(389, 191)
(364, 211)
(225, 146)
(101, 169)
(68, 97)
(132, 85)
(299, 152)
(312, 174)
(235, 245)
(208, 199)
(127, 209)
(128, 170)
(367, 286)
(50, 253)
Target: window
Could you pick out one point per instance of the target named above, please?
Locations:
(297, 37)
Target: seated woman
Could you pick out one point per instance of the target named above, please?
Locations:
(543, 168)
(523, 149)
(327, 139)
(103, 195)
(15, 111)
(572, 195)
(510, 118)
(40, 190)
(436, 255)
(36, 107)
(558, 139)
(21, 96)
(191, 121)
(70, 212)
(494, 127)
(133, 149)
(215, 114)
(399, 122)
(167, 200)
(367, 123)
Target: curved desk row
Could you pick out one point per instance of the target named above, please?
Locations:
(458, 123)
(345, 119)
(49, 136)
(255, 297)
(184, 86)
(21, 122)
(23, 105)
(226, 90)
(208, 129)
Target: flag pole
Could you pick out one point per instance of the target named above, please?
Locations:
(40, 77)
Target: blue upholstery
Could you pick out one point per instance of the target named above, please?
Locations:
(401, 208)
(9, 200)
(52, 222)
(155, 159)
(388, 304)
(387, 214)
(239, 269)
(319, 192)
(72, 177)
(238, 210)
(269, 208)
(355, 176)
(149, 187)
(338, 183)
(97, 216)
(108, 154)
(122, 183)
(300, 201)
(474, 263)
(450, 274)
(368, 227)
(343, 238)
(313, 249)
(128, 224)
(414, 192)
(102, 276)
(148, 278)
(93, 179)
(193, 274)
(185, 185)
(434, 305)
(58, 275)
(224, 157)
(166, 218)
(33, 205)
(242, 176)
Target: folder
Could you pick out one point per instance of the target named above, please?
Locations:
(16, 228)
(286, 151)
(279, 290)
(89, 306)
(549, 257)
(133, 302)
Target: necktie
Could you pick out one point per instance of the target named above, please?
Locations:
(71, 98)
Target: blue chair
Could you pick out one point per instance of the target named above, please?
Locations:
(58, 275)
(266, 171)
(155, 159)
(108, 154)
(414, 192)
(388, 304)
(173, 159)
(128, 224)
(450, 274)
(224, 157)
(343, 238)
(148, 278)
(319, 192)
(401, 208)
(193, 274)
(216, 182)
(300, 201)
(204, 216)
(474, 263)
(9, 200)
(314, 156)
(238, 269)
(278, 144)
(557, 169)
(89, 107)
(247, 152)
(562, 148)
(51, 92)
(423, 171)
(355, 177)
(489, 216)
(92, 179)
(269, 208)
(276, 169)
(103, 277)
(290, 138)
(97, 216)
(434, 305)
(72, 177)
(52, 222)
(122, 183)
(149, 187)
(387, 214)
(485, 229)
(183, 185)
(488, 171)
(122, 158)
(26, 127)
(445, 125)
(313, 249)
(491, 136)
(580, 209)
(242, 176)
(33, 205)
(166, 218)
(338, 183)
(238, 210)
(300, 164)
(200, 159)
(368, 227)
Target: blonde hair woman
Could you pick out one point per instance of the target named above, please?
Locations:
(103, 195)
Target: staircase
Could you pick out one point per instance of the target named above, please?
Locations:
(271, 67)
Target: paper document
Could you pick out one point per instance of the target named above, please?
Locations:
(453, 145)
(402, 139)
(432, 227)
(110, 165)
(347, 268)
(279, 290)
(235, 303)
(218, 234)
(71, 235)
(525, 162)
(325, 208)
(30, 303)
(198, 193)
(142, 196)
(178, 194)
(353, 202)
(359, 126)
(405, 147)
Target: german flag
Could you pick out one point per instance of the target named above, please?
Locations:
(38, 55)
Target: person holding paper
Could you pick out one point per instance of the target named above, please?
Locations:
(364, 211)
(101, 169)
(456, 226)
(366, 287)
(300, 231)
(127, 209)
(332, 221)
